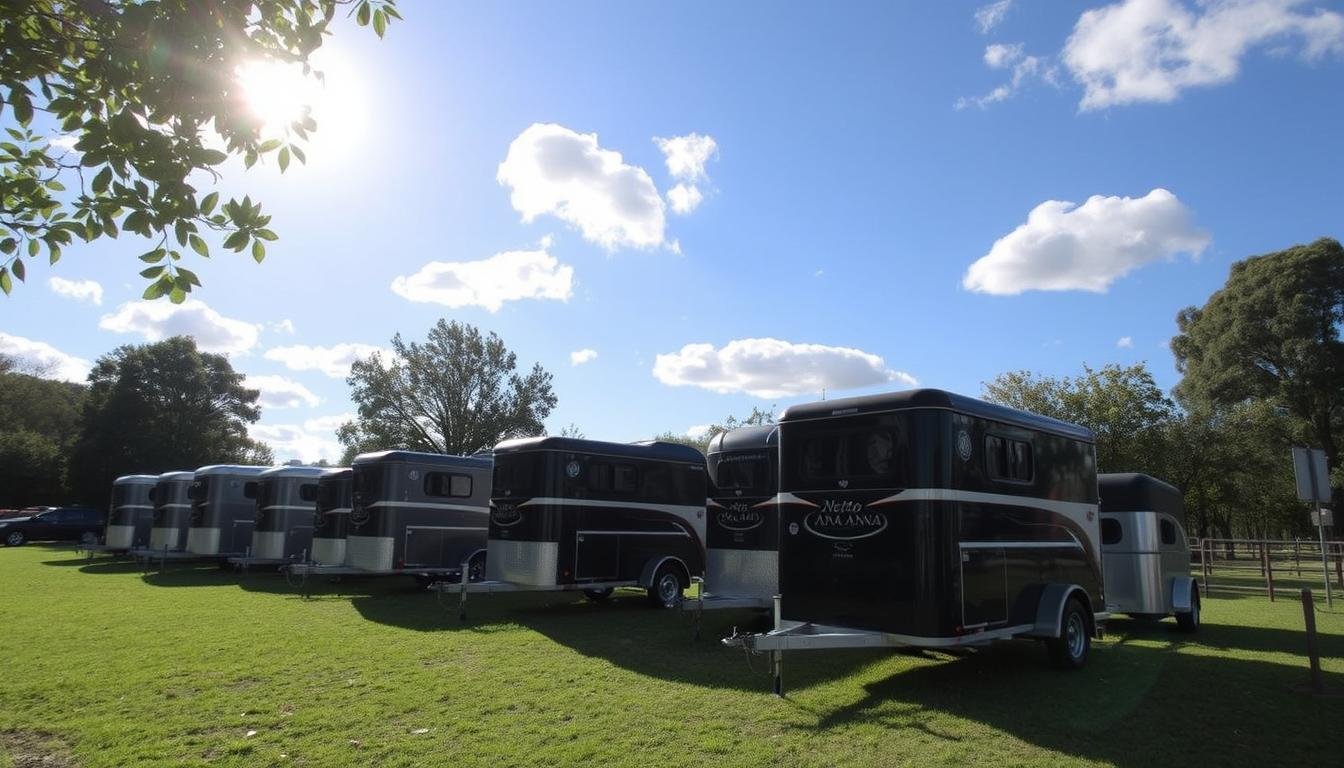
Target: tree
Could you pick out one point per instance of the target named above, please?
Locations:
(456, 393)
(160, 407)
(1272, 332)
(1122, 405)
(139, 100)
(700, 441)
(39, 421)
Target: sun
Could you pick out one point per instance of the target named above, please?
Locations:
(277, 93)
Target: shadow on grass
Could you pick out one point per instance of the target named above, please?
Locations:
(1136, 704)
(621, 630)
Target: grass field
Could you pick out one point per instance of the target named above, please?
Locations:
(103, 666)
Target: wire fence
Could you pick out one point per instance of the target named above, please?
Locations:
(1273, 568)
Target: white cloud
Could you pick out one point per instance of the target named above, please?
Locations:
(697, 431)
(44, 360)
(1064, 246)
(488, 283)
(552, 170)
(1024, 70)
(280, 392)
(293, 441)
(79, 290)
(1152, 50)
(684, 198)
(774, 368)
(988, 17)
(334, 361)
(328, 423)
(582, 356)
(65, 142)
(284, 326)
(687, 155)
(1125, 342)
(157, 320)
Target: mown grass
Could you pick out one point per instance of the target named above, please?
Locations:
(107, 667)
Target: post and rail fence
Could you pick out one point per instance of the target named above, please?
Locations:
(1272, 568)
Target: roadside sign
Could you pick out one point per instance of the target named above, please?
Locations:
(1313, 478)
(1322, 517)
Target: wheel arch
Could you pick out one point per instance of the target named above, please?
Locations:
(654, 563)
(1050, 610)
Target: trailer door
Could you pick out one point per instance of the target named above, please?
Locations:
(984, 586)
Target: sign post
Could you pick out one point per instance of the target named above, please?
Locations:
(1313, 485)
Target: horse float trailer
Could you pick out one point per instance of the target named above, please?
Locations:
(572, 514)
(286, 499)
(741, 522)
(223, 510)
(172, 516)
(928, 519)
(1144, 552)
(420, 514)
(332, 517)
(130, 515)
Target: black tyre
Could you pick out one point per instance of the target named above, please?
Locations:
(15, 539)
(476, 567)
(667, 587)
(1189, 622)
(1070, 649)
(598, 595)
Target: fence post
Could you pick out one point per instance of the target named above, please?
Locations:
(1205, 552)
(1313, 653)
(1262, 558)
(1297, 555)
(1268, 568)
(1339, 564)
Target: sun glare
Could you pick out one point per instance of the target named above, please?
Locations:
(277, 93)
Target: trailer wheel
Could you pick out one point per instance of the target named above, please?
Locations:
(15, 539)
(1069, 650)
(667, 587)
(476, 567)
(1189, 622)
(598, 595)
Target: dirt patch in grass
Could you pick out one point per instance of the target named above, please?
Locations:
(34, 749)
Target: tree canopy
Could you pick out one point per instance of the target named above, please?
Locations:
(457, 392)
(115, 111)
(700, 440)
(160, 407)
(39, 421)
(1272, 332)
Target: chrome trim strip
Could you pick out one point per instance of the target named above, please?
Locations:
(1019, 544)
(559, 502)
(634, 533)
(427, 505)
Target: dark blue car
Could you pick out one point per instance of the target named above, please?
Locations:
(80, 524)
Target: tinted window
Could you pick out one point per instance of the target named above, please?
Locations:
(308, 491)
(1008, 459)
(1111, 531)
(749, 472)
(863, 451)
(447, 484)
(611, 476)
(851, 453)
(252, 487)
(516, 475)
(1168, 532)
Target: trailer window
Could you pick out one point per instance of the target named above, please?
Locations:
(743, 473)
(1167, 530)
(856, 453)
(447, 484)
(515, 475)
(1008, 459)
(1111, 531)
(610, 476)
(251, 489)
(308, 492)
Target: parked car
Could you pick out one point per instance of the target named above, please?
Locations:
(60, 524)
(25, 512)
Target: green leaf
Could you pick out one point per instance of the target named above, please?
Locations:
(198, 245)
(363, 16)
(180, 232)
(101, 181)
(188, 275)
(5, 284)
(379, 23)
(283, 159)
(177, 295)
(299, 154)
(258, 251)
(53, 253)
(55, 186)
(208, 203)
(155, 290)
(270, 145)
(20, 271)
(153, 256)
(236, 241)
(33, 245)
(153, 271)
(211, 157)
(23, 108)
(266, 234)
(9, 245)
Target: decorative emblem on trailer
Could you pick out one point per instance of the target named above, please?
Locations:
(414, 474)
(844, 521)
(740, 517)
(793, 529)
(359, 515)
(842, 483)
(572, 469)
(964, 445)
(505, 515)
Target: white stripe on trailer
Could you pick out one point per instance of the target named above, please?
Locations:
(1021, 545)
(299, 507)
(447, 528)
(133, 506)
(176, 505)
(677, 532)
(426, 505)
(676, 509)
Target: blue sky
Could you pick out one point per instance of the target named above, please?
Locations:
(875, 207)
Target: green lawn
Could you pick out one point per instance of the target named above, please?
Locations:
(105, 667)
